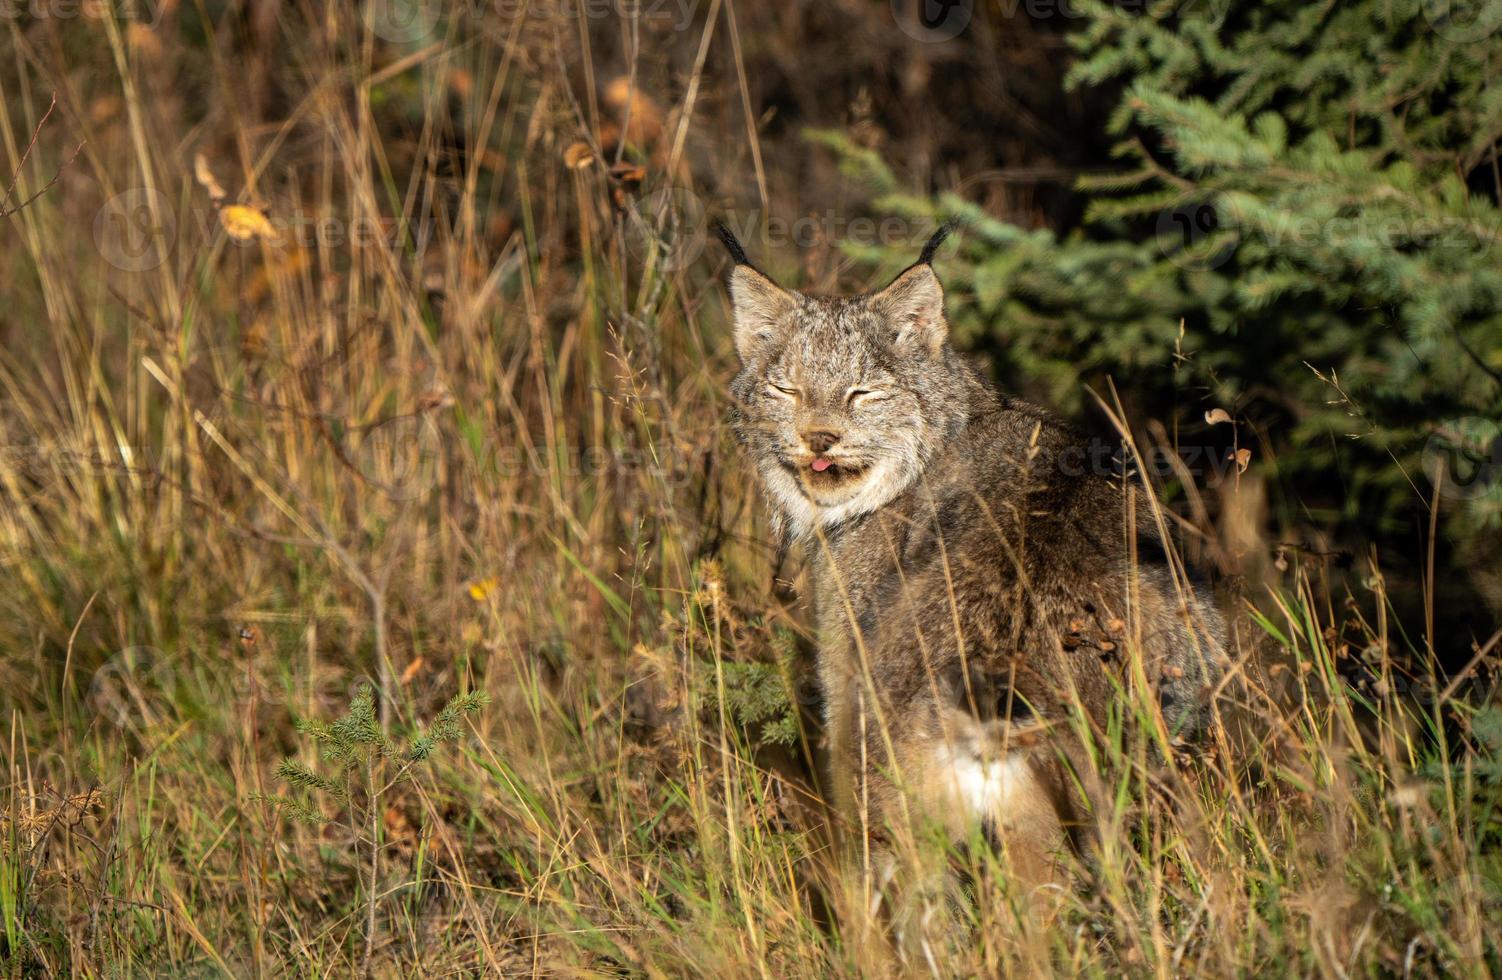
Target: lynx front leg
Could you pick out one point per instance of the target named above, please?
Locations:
(920, 901)
(848, 719)
(979, 777)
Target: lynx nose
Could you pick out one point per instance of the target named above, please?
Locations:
(820, 440)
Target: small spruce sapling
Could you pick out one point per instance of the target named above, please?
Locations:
(368, 763)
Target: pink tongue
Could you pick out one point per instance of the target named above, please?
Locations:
(820, 464)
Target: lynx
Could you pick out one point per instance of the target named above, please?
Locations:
(972, 588)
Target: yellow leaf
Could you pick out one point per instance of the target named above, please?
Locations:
(481, 588)
(1243, 460)
(244, 222)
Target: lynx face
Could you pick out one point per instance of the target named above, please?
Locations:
(840, 401)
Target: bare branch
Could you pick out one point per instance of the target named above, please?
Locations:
(5, 209)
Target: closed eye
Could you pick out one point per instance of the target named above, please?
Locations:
(783, 392)
(862, 396)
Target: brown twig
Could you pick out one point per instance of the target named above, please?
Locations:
(5, 209)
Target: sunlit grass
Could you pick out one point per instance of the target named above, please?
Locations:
(487, 455)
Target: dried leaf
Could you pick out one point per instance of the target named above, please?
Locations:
(1243, 460)
(205, 177)
(578, 156)
(642, 115)
(461, 82)
(144, 41)
(254, 343)
(628, 173)
(1216, 416)
(243, 222)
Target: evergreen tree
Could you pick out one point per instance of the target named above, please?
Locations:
(1304, 233)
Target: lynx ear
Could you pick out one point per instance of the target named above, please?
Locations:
(914, 306)
(760, 307)
(914, 303)
(760, 304)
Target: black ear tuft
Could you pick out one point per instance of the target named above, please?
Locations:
(737, 253)
(927, 256)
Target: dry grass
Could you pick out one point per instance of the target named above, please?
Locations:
(458, 428)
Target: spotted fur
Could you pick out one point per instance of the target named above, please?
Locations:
(971, 594)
